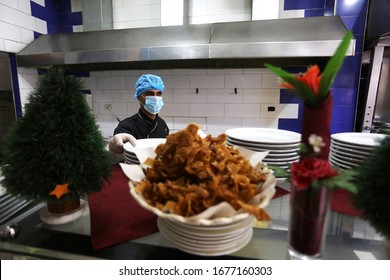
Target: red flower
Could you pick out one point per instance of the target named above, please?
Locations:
(312, 78)
(308, 170)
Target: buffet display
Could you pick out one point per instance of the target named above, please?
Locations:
(201, 190)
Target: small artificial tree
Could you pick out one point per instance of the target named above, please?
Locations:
(55, 151)
(373, 184)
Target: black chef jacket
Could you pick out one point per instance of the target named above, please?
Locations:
(141, 126)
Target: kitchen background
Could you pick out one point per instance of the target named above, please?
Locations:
(217, 99)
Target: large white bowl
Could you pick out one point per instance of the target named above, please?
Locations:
(220, 214)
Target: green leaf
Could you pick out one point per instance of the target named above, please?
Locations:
(301, 90)
(342, 181)
(279, 172)
(333, 66)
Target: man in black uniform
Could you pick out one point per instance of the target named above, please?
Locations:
(146, 123)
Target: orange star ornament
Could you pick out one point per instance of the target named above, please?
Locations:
(60, 190)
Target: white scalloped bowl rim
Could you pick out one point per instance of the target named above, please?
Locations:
(220, 214)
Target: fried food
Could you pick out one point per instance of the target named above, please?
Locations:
(190, 174)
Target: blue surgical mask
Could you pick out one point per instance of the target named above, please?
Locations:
(153, 104)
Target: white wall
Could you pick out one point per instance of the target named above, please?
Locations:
(136, 13)
(77, 6)
(272, 9)
(216, 107)
(206, 11)
(172, 12)
(17, 26)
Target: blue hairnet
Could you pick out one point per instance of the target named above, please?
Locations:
(148, 82)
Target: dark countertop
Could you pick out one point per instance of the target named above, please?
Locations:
(72, 241)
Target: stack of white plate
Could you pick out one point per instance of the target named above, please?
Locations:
(351, 149)
(130, 156)
(381, 126)
(213, 240)
(283, 145)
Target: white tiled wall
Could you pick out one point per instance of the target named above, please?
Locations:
(77, 6)
(217, 99)
(17, 26)
(205, 11)
(272, 9)
(136, 13)
(216, 106)
(172, 12)
(27, 82)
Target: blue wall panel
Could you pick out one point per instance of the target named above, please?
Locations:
(47, 13)
(345, 87)
(57, 14)
(303, 4)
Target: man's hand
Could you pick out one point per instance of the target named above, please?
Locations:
(118, 140)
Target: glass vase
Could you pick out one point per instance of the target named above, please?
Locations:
(307, 225)
(317, 120)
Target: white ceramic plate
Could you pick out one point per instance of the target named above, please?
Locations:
(132, 158)
(210, 250)
(351, 151)
(280, 163)
(351, 160)
(196, 242)
(131, 162)
(264, 135)
(348, 153)
(280, 160)
(343, 162)
(202, 233)
(358, 138)
(272, 155)
(131, 155)
(189, 240)
(342, 166)
(143, 144)
(204, 238)
(212, 230)
(272, 152)
(262, 146)
(203, 249)
(352, 148)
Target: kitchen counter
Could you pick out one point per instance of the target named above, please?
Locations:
(72, 241)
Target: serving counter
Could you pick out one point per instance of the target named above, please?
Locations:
(72, 241)
(78, 239)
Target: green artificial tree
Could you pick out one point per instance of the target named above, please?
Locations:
(373, 184)
(55, 151)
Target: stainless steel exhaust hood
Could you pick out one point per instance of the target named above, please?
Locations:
(284, 42)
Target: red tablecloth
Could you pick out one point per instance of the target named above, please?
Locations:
(342, 203)
(115, 216)
(280, 192)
